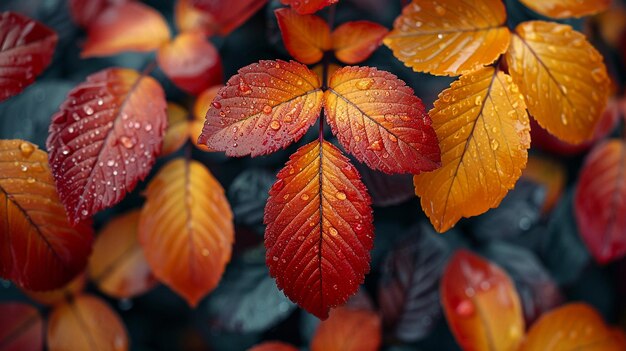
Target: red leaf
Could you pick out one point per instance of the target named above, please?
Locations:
(354, 42)
(481, 304)
(265, 107)
(379, 120)
(273, 346)
(85, 12)
(86, 323)
(306, 7)
(191, 62)
(305, 37)
(601, 201)
(319, 228)
(26, 48)
(348, 330)
(226, 16)
(131, 26)
(21, 327)
(40, 250)
(105, 138)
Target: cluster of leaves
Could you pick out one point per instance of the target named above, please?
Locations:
(464, 155)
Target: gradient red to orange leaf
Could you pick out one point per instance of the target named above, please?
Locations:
(26, 49)
(265, 107)
(481, 304)
(600, 201)
(348, 329)
(307, 7)
(273, 346)
(40, 250)
(21, 327)
(306, 37)
(355, 41)
(186, 229)
(222, 17)
(319, 228)
(379, 120)
(105, 139)
(191, 62)
(131, 26)
(85, 12)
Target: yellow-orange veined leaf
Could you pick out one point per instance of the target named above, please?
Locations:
(379, 120)
(86, 323)
(562, 77)
(118, 265)
(575, 326)
(348, 329)
(186, 229)
(484, 134)
(177, 128)
(53, 297)
(319, 228)
(449, 37)
(40, 249)
(481, 304)
(306, 37)
(265, 107)
(355, 41)
(567, 8)
(130, 26)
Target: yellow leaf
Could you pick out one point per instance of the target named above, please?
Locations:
(449, 37)
(562, 77)
(567, 8)
(483, 132)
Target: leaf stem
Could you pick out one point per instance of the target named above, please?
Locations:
(325, 64)
(150, 66)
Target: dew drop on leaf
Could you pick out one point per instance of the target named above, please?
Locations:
(340, 195)
(216, 104)
(27, 149)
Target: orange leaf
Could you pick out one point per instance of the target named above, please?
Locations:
(21, 327)
(200, 109)
(481, 305)
(309, 6)
(562, 77)
(191, 62)
(40, 250)
(177, 129)
(449, 37)
(105, 138)
(567, 8)
(189, 19)
(482, 126)
(265, 107)
(131, 26)
(86, 323)
(186, 229)
(53, 297)
(379, 120)
(319, 228)
(575, 326)
(118, 265)
(348, 330)
(306, 37)
(273, 346)
(354, 42)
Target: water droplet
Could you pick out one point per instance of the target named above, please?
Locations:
(275, 125)
(439, 36)
(100, 102)
(478, 100)
(299, 82)
(24, 168)
(30, 180)
(88, 110)
(364, 84)
(393, 138)
(340, 195)
(465, 308)
(440, 10)
(205, 252)
(563, 119)
(494, 145)
(244, 88)
(84, 212)
(127, 142)
(275, 258)
(267, 109)
(279, 185)
(148, 127)
(445, 96)
(27, 149)
(216, 104)
(598, 75)
(65, 150)
(304, 197)
(332, 231)
(376, 146)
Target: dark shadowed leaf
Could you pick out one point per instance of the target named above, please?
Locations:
(386, 189)
(21, 327)
(248, 194)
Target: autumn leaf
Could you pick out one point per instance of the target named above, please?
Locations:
(226, 16)
(562, 77)
(53, 297)
(265, 107)
(21, 327)
(85, 12)
(273, 346)
(449, 37)
(26, 48)
(306, 37)
(186, 229)
(319, 228)
(567, 8)
(482, 126)
(348, 330)
(118, 265)
(575, 326)
(177, 131)
(601, 200)
(130, 26)
(481, 305)
(200, 108)
(191, 62)
(379, 120)
(86, 323)
(187, 18)
(309, 6)
(40, 250)
(105, 138)
(354, 42)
